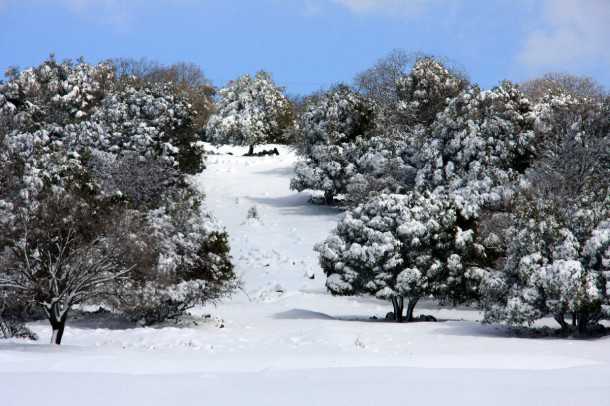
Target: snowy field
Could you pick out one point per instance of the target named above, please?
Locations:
(283, 340)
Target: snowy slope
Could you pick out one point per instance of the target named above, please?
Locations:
(285, 341)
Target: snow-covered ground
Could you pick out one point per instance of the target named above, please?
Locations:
(285, 341)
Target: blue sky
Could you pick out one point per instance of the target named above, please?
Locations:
(311, 44)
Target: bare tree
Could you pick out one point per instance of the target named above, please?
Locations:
(563, 83)
(379, 81)
(59, 272)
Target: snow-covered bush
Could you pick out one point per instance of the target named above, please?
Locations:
(557, 262)
(250, 111)
(15, 329)
(152, 120)
(550, 272)
(12, 315)
(184, 262)
(330, 125)
(404, 246)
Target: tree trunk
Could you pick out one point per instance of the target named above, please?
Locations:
(58, 327)
(57, 319)
(398, 304)
(251, 150)
(562, 322)
(574, 319)
(328, 197)
(411, 308)
(583, 322)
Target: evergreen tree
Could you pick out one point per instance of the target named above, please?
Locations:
(400, 247)
(250, 111)
(328, 128)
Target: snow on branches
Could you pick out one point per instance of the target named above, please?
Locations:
(557, 260)
(403, 246)
(250, 111)
(478, 146)
(330, 126)
(426, 91)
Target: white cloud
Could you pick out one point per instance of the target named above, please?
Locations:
(108, 11)
(398, 7)
(577, 32)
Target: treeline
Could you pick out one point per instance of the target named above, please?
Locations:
(497, 198)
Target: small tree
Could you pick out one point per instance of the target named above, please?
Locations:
(400, 247)
(250, 111)
(56, 266)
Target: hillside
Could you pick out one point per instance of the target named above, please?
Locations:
(285, 341)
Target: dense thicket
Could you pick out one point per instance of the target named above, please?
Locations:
(558, 252)
(502, 198)
(96, 203)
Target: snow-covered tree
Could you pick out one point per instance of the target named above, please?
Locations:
(379, 81)
(478, 146)
(446, 136)
(558, 254)
(400, 247)
(250, 111)
(549, 271)
(55, 265)
(384, 165)
(330, 125)
(387, 162)
(154, 120)
(188, 79)
(426, 91)
(53, 93)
